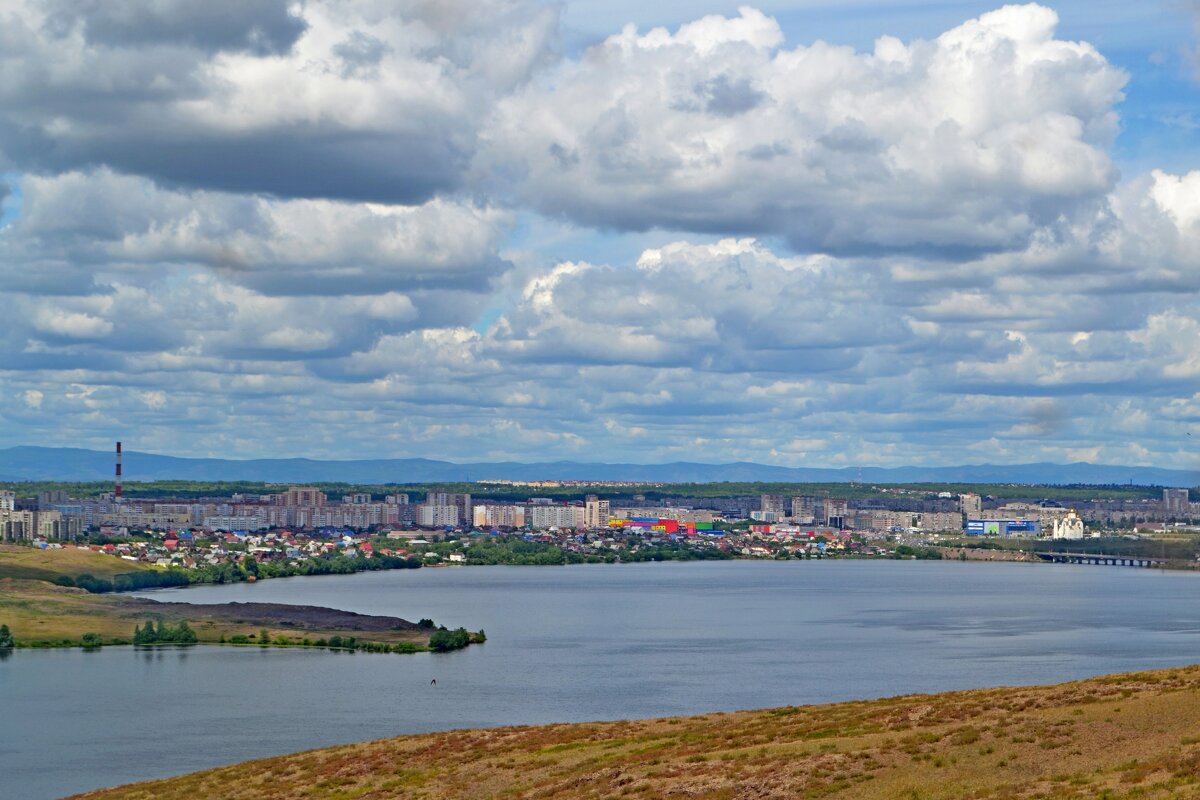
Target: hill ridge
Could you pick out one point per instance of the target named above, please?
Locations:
(34, 463)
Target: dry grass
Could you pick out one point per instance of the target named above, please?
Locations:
(1125, 736)
(33, 563)
(39, 613)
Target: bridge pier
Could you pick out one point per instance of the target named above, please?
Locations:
(1101, 560)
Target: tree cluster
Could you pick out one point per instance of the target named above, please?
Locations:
(443, 641)
(920, 553)
(161, 633)
(128, 582)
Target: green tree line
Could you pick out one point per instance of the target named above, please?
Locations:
(161, 633)
(233, 573)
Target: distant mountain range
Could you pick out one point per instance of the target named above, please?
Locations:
(72, 464)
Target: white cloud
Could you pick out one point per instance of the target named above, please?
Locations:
(288, 247)
(350, 99)
(71, 325)
(974, 140)
(917, 253)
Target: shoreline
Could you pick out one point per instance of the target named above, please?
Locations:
(40, 613)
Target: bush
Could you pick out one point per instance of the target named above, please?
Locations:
(6, 638)
(443, 641)
(164, 634)
(239, 638)
(93, 584)
(91, 640)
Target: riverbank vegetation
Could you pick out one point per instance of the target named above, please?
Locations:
(101, 574)
(517, 551)
(54, 610)
(37, 614)
(1182, 546)
(1120, 736)
(919, 553)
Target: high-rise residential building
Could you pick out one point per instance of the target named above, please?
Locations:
(596, 512)
(971, 506)
(499, 516)
(306, 496)
(664, 512)
(47, 500)
(1176, 503)
(360, 499)
(805, 509)
(437, 516)
(8, 501)
(460, 501)
(396, 499)
(16, 526)
(773, 503)
(836, 511)
(19, 526)
(544, 517)
(943, 521)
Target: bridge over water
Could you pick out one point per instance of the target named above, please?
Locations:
(1099, 559)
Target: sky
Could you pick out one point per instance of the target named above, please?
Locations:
(803, 233)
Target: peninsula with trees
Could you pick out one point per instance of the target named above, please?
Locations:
(37, 610)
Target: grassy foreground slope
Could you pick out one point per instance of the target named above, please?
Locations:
(1122, 736)
(34, 563)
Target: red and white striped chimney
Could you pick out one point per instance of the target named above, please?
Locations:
(117, 493)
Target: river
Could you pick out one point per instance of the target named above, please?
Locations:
(581, 643)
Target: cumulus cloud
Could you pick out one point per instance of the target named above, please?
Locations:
(972, 141)
(231, 215)
(259, 26)
(733, 305)
(345, 99)
(294, 247)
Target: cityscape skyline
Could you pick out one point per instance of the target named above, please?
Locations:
(799, 233)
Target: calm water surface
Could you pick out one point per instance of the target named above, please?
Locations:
(581, 643)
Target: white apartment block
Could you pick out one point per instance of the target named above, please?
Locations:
(542, 517)
(235, 524)
(431, 516)
(596, 512)
(498, 516)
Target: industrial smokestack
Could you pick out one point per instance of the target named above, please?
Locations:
(117, 493)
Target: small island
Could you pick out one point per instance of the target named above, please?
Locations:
(37, 612)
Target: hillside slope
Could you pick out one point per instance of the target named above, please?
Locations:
(1122, 736)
